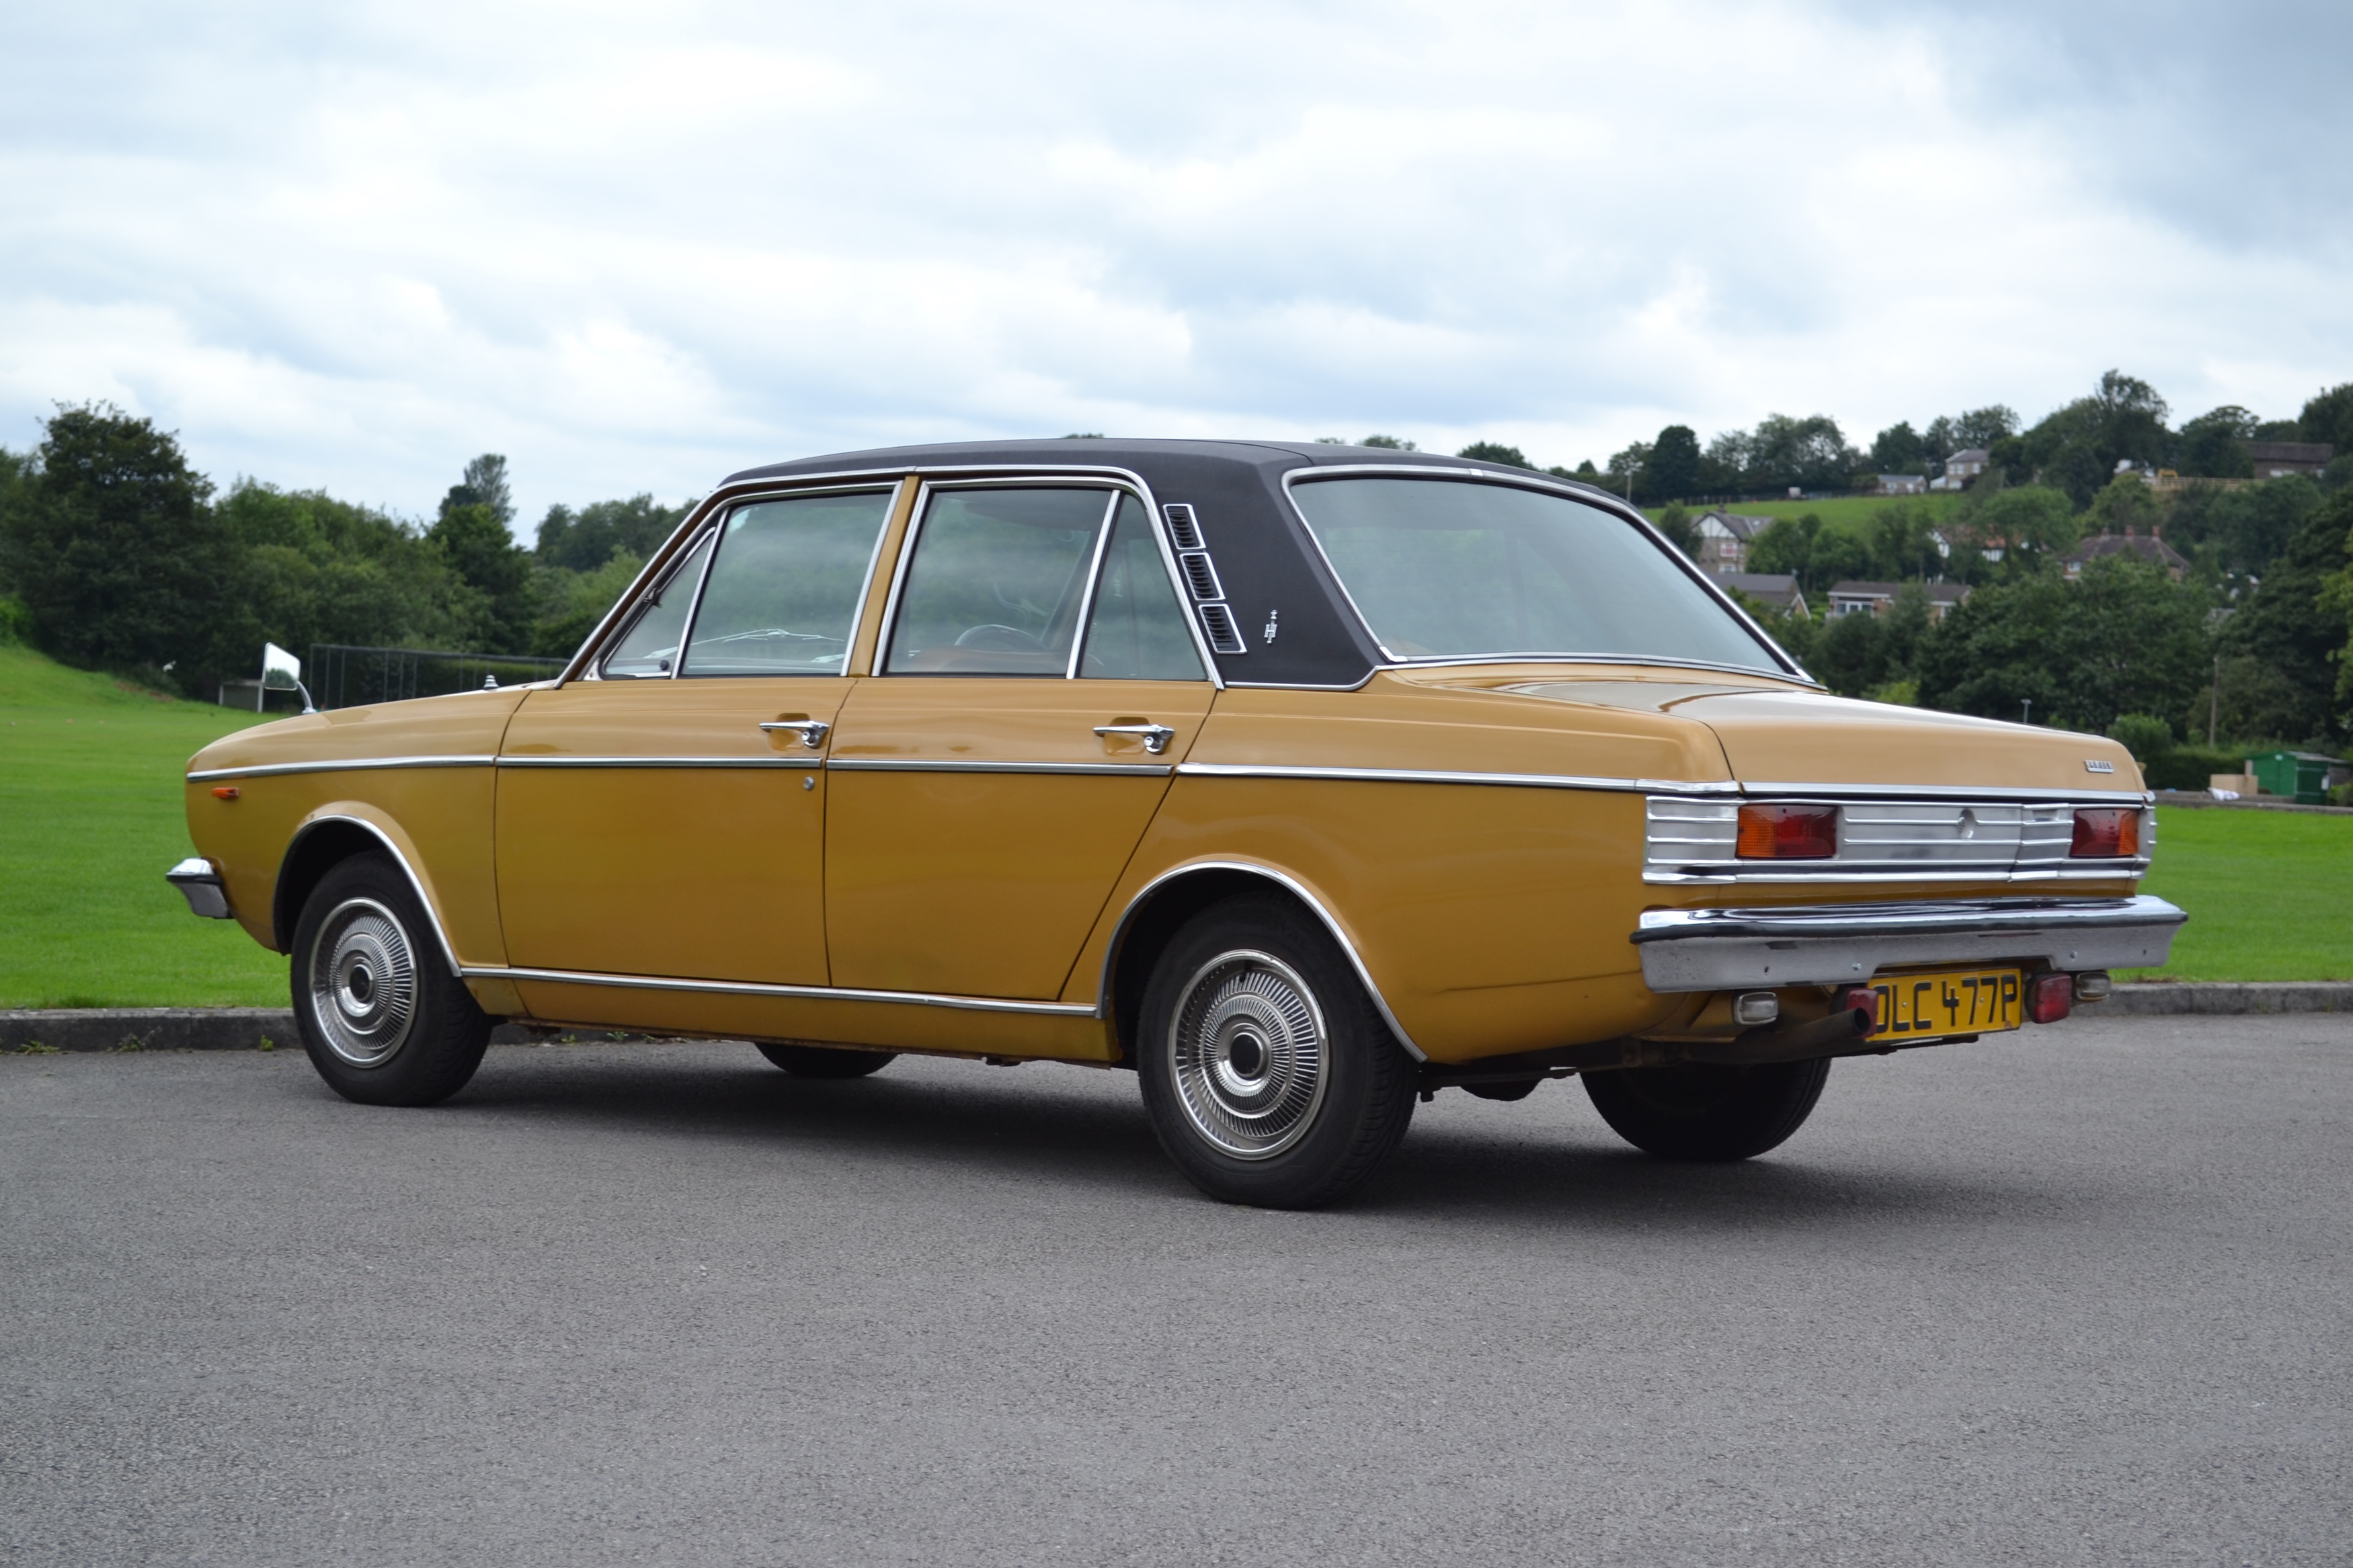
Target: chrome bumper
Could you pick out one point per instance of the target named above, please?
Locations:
(1726, 950)
(200, 886)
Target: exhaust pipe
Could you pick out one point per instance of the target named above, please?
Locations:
(1853, 1019)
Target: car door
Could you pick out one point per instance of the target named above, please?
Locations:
(667, 817)
(1036, 684)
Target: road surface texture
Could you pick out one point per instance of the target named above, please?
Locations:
(2076, 1295)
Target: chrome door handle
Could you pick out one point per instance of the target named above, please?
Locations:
(812, 732)
(1155, 737)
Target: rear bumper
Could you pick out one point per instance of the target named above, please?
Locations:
(200, 886)
(1724, 949)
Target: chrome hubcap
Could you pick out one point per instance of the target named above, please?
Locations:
(1252, 1057)
(362, 983)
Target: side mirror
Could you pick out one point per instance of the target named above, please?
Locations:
(282, 671)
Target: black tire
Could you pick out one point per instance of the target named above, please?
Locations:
(1270, 1075)
(384, 1020)
(825, 1061)
(1700, 1113)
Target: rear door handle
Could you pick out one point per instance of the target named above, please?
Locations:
(812, 732)
(1155, 737)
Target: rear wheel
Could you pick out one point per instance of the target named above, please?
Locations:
(1270, 1075)
(825, 1061)
(384, 1020)
(1697, 1111)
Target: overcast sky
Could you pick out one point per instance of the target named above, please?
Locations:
(635, 246)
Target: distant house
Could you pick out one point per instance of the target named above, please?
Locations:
(1878, 598)
(1963, 466)
(1775, 589)
(1724, 538)
(1903, 485)
(2277, 459)
(2145, 546)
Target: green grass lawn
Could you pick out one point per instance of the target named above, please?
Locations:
(90, 817)
(90, 820)
(2269, 894)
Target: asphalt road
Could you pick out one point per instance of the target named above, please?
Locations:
(2081, 1295)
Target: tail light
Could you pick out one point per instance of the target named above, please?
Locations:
(2106, 833)
(2050, 996)
(1789, 832)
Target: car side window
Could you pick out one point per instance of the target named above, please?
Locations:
(648, 649)
(996, 581)
(784, 590)
(1137, 630)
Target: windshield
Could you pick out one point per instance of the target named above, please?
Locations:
(1454, 569)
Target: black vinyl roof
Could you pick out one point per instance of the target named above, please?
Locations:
(1271, 572)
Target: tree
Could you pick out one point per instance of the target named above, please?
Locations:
(584, 541)
(2030, 525)
(2235, 534)
(2077, 449)
(2328, 416)
(1674, 471)
(1902, 544)
(1495, 452)
(484, 485)
(1898, 450)
(1981, 427)
(1682, 532)
(2214, 445)
(1388, 444)
(485, 557)
(2125, 639)
(109, 542)
(1724, 467)
(1803, 454)
(2287, 628)
(2126, 505)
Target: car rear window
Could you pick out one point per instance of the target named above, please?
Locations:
(1457, 568)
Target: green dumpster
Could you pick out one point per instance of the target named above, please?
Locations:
(2300, 775)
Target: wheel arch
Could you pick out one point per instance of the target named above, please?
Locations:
(323, 842)
(1163, 904)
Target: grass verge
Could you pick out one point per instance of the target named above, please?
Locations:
(90, 820)
(2269, 894)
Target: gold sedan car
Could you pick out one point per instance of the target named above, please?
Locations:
(1305, 781)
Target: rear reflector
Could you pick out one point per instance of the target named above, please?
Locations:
(1859, 999)
(1789, 832)
(2050, 996)
(2106, 833)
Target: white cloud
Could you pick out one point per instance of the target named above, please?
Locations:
(635, 246)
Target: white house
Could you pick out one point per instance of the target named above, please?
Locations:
(1962, 467)
(1724, 538)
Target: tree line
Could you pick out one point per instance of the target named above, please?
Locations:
(116, 554)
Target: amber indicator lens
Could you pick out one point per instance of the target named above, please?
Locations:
(1789, 832)
(225, 792)
(2106, 833)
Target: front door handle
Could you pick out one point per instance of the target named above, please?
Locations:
(812, 732)
(1155, 737)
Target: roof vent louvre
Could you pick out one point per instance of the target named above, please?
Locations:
(1225, 637)
(1201, 575)
(1183, 527)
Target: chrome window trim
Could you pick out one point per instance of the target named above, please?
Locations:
(1101, 1005)
(1791, 669)
(756, 988)
(930, 765)
(416, 884)
(1094, 579)
(349, 764)
(865, 584)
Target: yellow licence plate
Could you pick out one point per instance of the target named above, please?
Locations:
(1948, 1002)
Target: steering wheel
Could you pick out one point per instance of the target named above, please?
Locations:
(994, 638)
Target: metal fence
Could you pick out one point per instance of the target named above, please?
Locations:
(344, 677)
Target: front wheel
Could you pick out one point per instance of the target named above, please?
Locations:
(1700, 1111)
(1270, 1075)
(384, 1020)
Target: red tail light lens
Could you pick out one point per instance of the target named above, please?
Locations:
(1789, 832)
(2050, 996)
(2104, 832)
